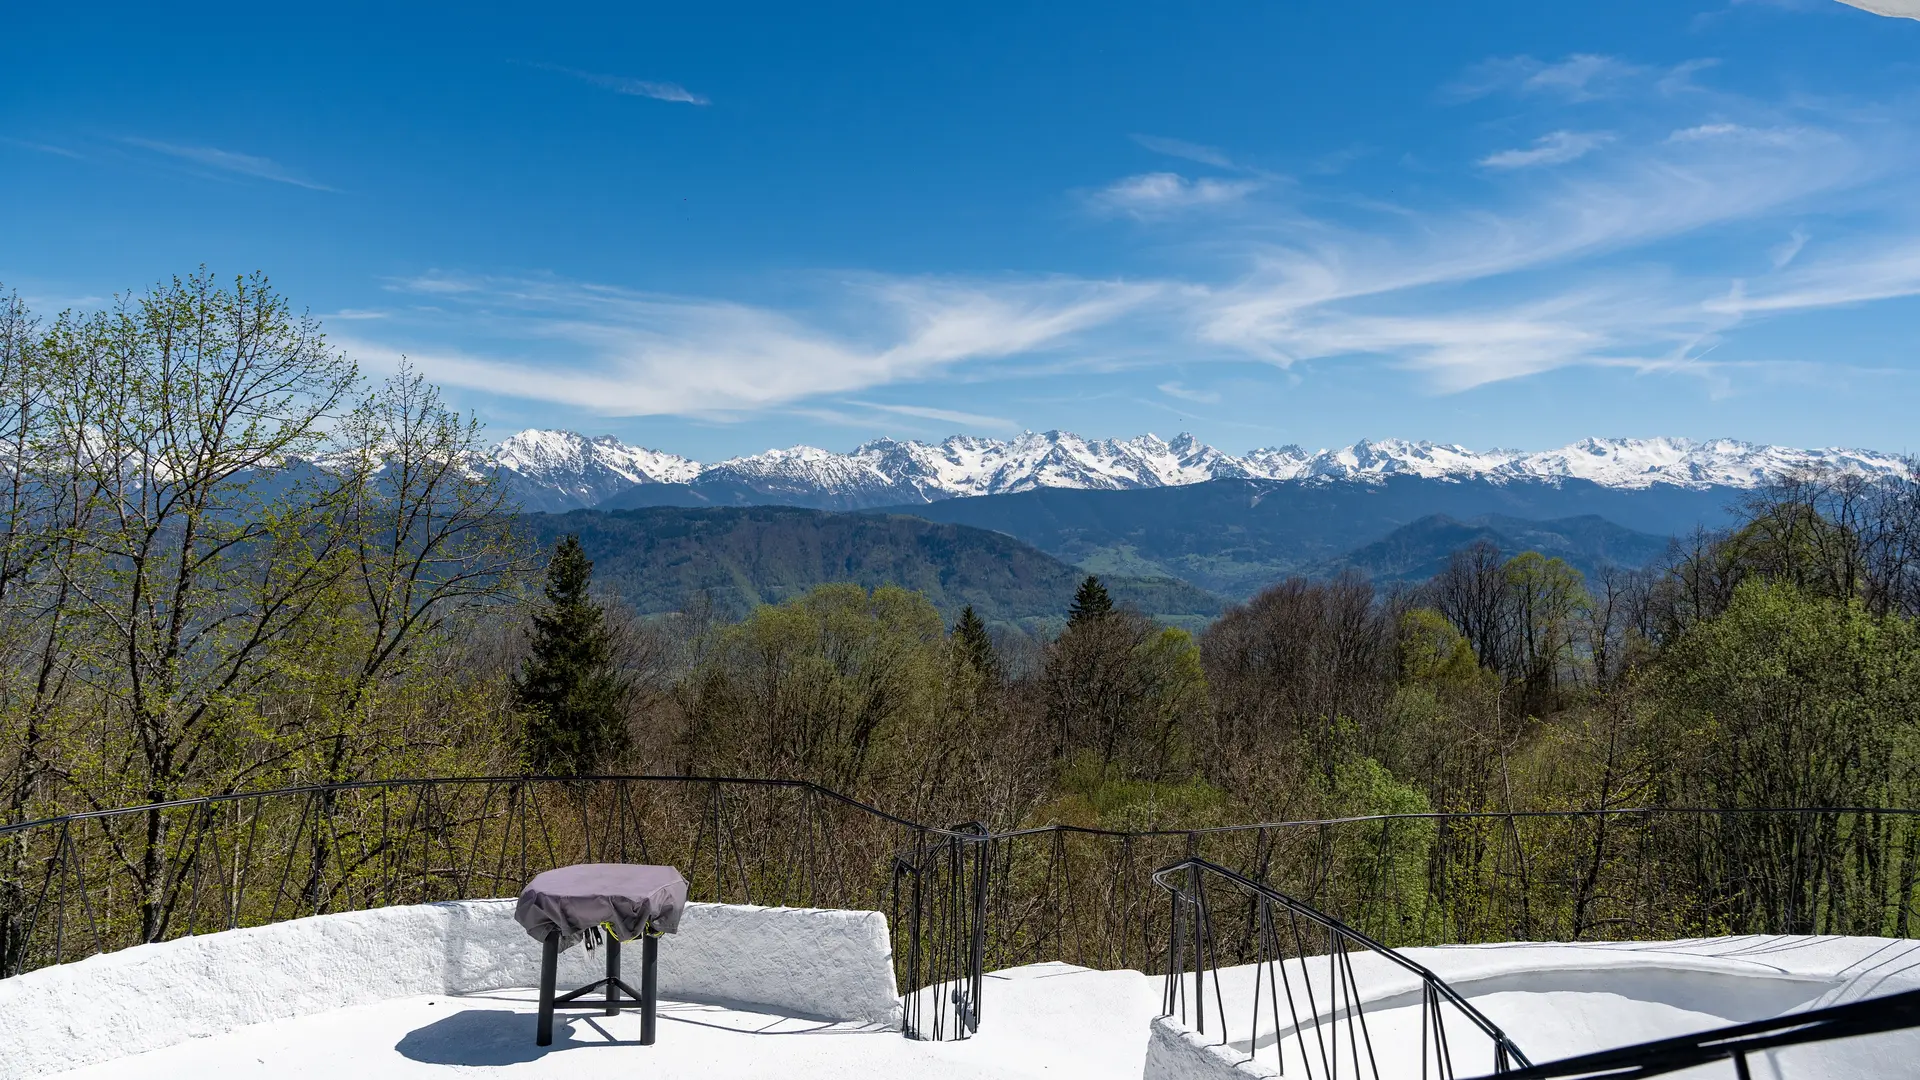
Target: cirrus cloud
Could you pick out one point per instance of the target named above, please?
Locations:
(1553, 148)
(631, 87)
(228, 161)
(1159, 193)
(645, 354)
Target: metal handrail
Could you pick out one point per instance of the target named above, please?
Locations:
(1037, 880)
(1005, 834)
(1891, 1012)
(1434, 989)
(518, 778)
(1366, 941)
(55, 910)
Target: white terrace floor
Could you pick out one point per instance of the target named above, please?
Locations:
(1046, 1020)
(1056, 1020)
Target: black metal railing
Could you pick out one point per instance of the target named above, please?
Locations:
(1083, 895)
(1736, 1044)
(939, 908)
(962, 900)
(1283, 980)
(80, 884)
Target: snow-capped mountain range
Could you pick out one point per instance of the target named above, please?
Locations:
(561, 470)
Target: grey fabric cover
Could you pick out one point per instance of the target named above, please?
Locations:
(575, 899)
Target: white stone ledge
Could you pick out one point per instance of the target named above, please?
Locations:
(1177, 1052)
(831, 965)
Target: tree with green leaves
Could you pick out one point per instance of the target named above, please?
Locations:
(571, 686)
(1090, 603)
(1546, 599)
(973, 645)
(1123, 690)
(834, 685)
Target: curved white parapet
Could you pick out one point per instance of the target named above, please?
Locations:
(830, 965)
(1178, 1052)
(1557, 1001)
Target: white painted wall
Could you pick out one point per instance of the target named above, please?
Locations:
(834, 965)
(1177, 1052)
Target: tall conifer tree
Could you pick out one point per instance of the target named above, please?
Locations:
(571, 686)
(975, 645)
(1090, 603)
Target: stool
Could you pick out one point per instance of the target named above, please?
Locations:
(559, 907)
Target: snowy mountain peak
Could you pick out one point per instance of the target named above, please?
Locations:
(563, 470)
(535, 451)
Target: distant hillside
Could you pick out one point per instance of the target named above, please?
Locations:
(657, 558)
(1417, 551)
(1235, 537)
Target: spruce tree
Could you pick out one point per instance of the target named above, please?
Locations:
(975, 647)
(570, 686)
(1090, 603)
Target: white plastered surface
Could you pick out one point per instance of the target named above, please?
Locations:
(832, 965)
(1045, 1020)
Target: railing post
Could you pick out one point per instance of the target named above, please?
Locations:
(1199, 908)
(982, 865)
(1171, 983)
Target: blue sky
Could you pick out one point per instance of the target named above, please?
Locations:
(719, 229)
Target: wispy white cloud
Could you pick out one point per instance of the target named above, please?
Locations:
(1886, 268)
(1464, 297)
(1338, 160)
(622, 84)
(646, 354)
(1184, 393)
(1570, 266)
(1180, 148)
(1443, 293)
(1580, 77)
(1729, 133)
(1553, 148)
(41, 148)
(1789, 249)
(1160, 193)
(228, 161)
(437, 283)
(945, 416)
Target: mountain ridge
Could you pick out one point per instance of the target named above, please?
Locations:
(660, 558)
(1235, 537)
(555, 470)
(1418, 550)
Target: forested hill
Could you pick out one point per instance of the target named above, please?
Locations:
(657, 558)
(1418, 551)
(1235, 537)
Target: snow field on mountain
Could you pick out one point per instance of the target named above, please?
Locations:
(570, 469)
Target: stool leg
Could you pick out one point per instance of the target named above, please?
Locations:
(613, 973)
(549, 971)
(649, 960)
